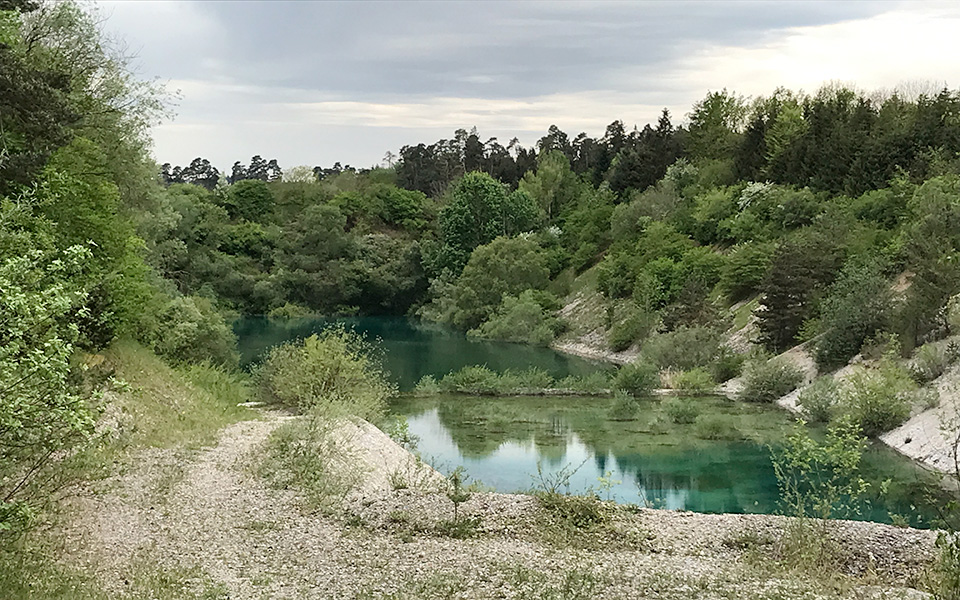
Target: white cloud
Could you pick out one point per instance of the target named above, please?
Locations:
(915, 42)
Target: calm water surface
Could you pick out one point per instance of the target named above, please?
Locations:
(410, 349)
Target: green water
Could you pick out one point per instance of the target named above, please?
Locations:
(648, 460)
(501, 441)
(410, 349)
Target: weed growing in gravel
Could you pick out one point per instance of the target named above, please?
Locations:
(308, 455)
(574, 584)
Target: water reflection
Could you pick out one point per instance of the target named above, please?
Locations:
(501, 442)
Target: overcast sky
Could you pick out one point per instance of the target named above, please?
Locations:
(317, 82)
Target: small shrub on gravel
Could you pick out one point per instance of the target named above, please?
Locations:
(877, 399)
(766, 381)
(332, 373)
(818, 401)
(682, 411)
(930, 362)
(576, 512)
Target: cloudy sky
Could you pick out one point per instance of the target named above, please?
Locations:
(311, 82)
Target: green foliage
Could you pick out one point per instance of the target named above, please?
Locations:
(821, 480)
(42, 415)
(727, 365)
(309, 455)
(520, 319)
(189, 329)
(637, 379)
(857, 305)
(574, 512)
(249, 199)
(818, 401)
(684, 348)
(332, 373)
(632, 328)
(768, 380)
(931, 361)
(944, 575)
(682, 411)
(877, 399)
(697, 380)
(625, 407)
(479, 212)
(745, 269)
(505, 266)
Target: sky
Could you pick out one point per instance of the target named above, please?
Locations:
(316, 82)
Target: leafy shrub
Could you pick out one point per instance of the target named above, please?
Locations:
(877, 399)
(634, 327)
(821, 480)
(855, 308)
(475, 379)
(625, 407)
(574, 512)
(695, 381)
(306, 454)
(682, 411)
(191, 330)
(745, 268)
(598, 382)
(331, 373)
(427, 386)
(684, 348)
(637, 379)
(715, 427)
(766, 381)
(818, 400)
(944, 575)
(930, 362)
(520, 319)
(727, 365)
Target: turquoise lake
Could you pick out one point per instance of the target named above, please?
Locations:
(519, 444)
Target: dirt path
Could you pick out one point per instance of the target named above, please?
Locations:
(205, 516)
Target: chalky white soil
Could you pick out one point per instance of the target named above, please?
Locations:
(206, 513)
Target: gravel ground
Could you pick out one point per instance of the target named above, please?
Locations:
(207, 514)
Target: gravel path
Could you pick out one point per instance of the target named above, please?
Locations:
(207, 514)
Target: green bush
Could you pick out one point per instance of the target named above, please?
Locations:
(766, 381)
(475, 379)
(189, 329)
(520, 319)
(574, 512)
(637, 379)
(877, 399)
(715, 427)
(635, 327)
(745, 268)
(330, 373)
(598, 382)
(625, 407)
(682, 411)
(855, 309)
(930, 362)
(684, 348)
(818, 400)
(727, 365)
(695, 381)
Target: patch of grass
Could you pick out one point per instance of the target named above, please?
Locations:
(310, 456)
(165, 407)
(572, 584)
